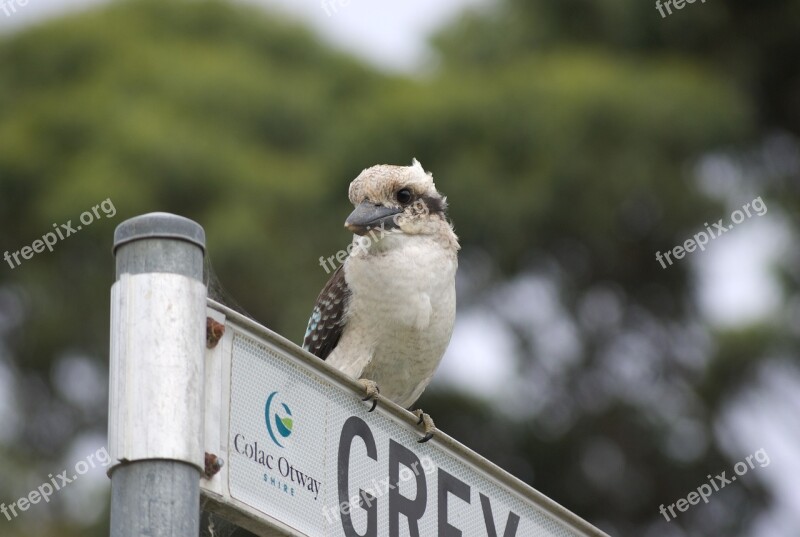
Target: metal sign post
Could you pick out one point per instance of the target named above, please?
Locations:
(156, 377)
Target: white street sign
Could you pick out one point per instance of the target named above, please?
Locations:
(302, 456)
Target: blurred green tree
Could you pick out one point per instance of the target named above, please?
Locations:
(564, 133)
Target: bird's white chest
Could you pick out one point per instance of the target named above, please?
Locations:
(401, 316)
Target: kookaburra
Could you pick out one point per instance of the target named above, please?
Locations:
(386, 315)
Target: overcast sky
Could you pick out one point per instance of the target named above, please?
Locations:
(390, 34)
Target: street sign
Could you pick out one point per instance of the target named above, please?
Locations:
(303, 457)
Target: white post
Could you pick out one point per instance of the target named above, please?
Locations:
(155, 421)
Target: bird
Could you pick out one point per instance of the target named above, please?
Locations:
(386, 315)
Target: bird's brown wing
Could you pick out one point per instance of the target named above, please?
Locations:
(327, 320)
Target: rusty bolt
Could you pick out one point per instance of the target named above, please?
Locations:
(213, 465)
(214, 332)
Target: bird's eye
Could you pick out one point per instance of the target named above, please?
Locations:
(404, 196)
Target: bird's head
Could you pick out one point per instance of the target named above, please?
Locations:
(397, 199)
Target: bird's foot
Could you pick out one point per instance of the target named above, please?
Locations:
(371, 390)
(427, 425)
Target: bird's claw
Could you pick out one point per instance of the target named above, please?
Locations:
(372, 391)
(427, 425)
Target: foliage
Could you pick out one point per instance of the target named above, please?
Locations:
(564, 133)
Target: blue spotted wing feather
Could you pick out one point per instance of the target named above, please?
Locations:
(328, 317)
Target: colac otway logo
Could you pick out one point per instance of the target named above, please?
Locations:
(279, 419)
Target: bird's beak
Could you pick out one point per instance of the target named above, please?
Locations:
(369, 216)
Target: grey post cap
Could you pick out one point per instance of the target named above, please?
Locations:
(159, 225)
